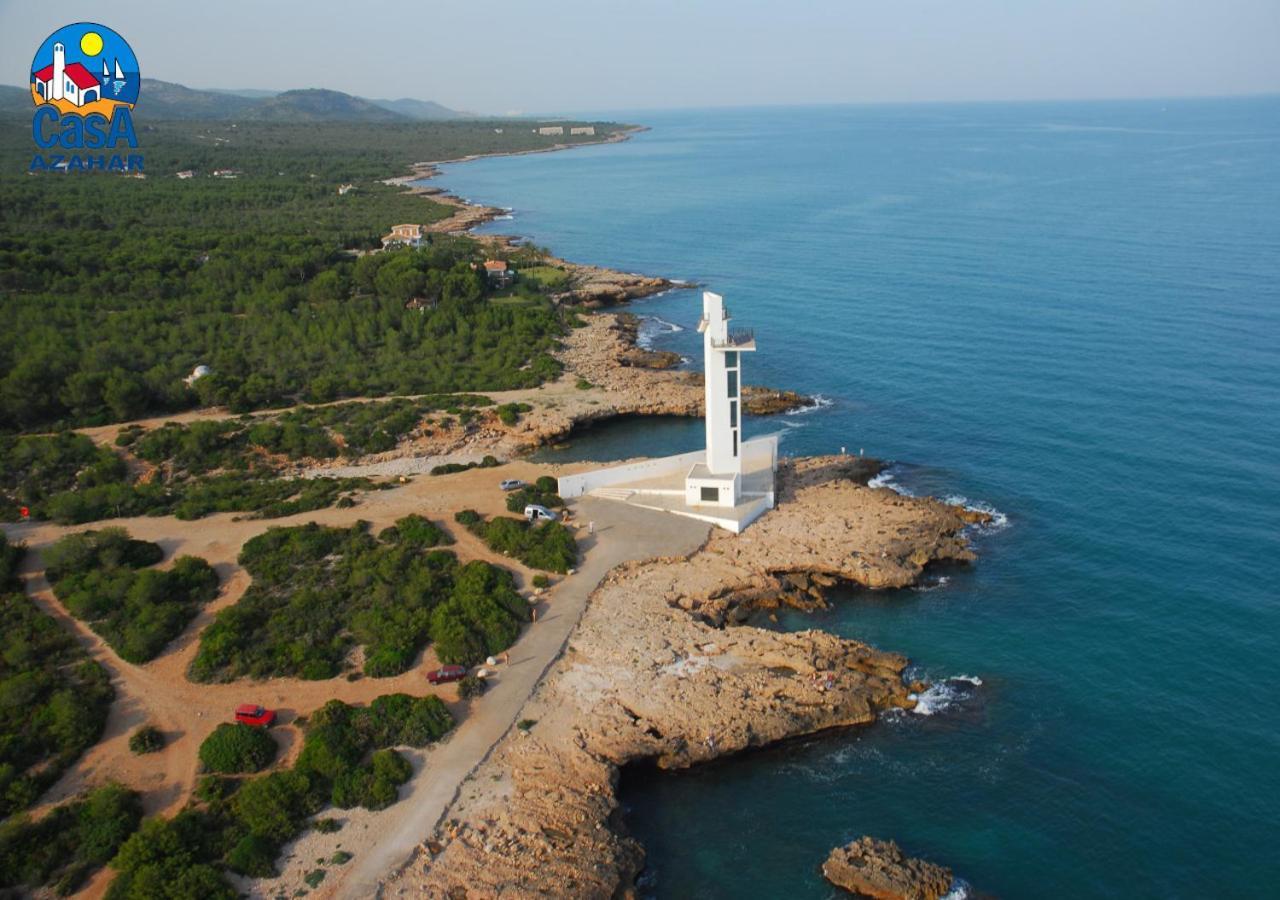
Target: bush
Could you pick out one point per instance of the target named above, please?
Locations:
(583, 384)
(471, 686)
(147, 739)
(549, 546)
(236, 748)
(53, 701)
(100, 577)
(541, 581)
(70, 843)
(380, 593)
(327, 826)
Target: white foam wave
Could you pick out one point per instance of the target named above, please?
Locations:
(959, 890)
(651, 327)
(819, 402)
(941, 582)
(885, 479)
(999, 521)
(943, 695)
(506, 218)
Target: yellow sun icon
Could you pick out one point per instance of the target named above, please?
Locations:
(91, 43)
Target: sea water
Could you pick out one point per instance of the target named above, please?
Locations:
(1069, 313)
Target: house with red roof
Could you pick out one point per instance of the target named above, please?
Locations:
(59, 81)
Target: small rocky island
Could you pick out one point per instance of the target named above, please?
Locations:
(873, 868)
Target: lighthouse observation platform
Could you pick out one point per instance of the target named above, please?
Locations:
(661, 484)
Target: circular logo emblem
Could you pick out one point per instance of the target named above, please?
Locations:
(85, 68)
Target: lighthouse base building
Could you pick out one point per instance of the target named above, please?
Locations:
(731, 482)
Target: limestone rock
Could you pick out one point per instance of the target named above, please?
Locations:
(875, 868)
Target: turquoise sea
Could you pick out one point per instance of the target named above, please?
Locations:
(1068, 312)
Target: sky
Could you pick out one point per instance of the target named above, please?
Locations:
(572, 56)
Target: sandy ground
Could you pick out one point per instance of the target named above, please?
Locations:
(159, 693)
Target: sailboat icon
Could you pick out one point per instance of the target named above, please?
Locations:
(117, 85)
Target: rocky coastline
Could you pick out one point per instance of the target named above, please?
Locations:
(653, 674)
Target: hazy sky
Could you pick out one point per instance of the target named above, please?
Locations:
(499, 56)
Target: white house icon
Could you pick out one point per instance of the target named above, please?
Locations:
(59, 81)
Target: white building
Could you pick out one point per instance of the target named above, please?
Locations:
(60, 81)
(550, 130)
(731, 482)
(718, 480)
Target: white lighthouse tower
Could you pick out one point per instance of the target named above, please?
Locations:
(59, 84)
(718, 481)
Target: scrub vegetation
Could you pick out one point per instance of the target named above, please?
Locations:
(240, 824)
(549, 546)
(53, 697)
(70, 480)
(65, 847)
(103, 578)
(318, 592)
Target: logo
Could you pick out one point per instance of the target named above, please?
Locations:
(84, 83)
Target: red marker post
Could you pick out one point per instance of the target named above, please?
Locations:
(24, 512)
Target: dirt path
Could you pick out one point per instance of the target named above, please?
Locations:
(621, 533)
(159, 693)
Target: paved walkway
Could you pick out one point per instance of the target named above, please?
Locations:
(622, 533)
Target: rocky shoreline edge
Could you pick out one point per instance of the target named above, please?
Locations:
(654, 674)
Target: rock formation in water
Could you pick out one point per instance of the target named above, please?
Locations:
(879, 869)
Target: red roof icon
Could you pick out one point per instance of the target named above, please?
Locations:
(82, 77)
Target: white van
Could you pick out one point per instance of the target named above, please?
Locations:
(535, 513)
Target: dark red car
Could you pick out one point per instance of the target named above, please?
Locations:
(445, 674)
(257, 716)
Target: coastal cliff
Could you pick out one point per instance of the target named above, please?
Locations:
(650, 676)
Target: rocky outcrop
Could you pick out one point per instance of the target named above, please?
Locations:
(649, 675)
(873, 868)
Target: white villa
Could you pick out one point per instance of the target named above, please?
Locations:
(730, 483)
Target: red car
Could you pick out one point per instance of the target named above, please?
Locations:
(257, 716)
(445, 674)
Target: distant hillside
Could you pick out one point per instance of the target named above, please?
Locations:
(420, 109)
(167, 100)
(14, 99)
(318, 105)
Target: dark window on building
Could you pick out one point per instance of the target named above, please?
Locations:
(711, 495)
(731, 359)
(735, 442)
(733, 384)
(733, 413)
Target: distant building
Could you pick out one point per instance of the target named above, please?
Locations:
(187, 173)
(583, 129)
(344, 189)
(197, 373)
(498, 272)
(421, 304)
(404, 236)
(226, 173)
(549, 130)
(497, 131)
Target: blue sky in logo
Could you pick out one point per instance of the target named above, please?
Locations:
(114, 48)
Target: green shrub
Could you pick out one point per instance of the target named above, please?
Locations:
(541, 581)
(99, 576)
(53, 700)
(470, 687)
(147, 739)
(509, 413)
(66, 846)
(379, 593)
(235, 748)
(341, 858)
(327, 825)
(314, 878)
(583, 384)
(549, 546)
